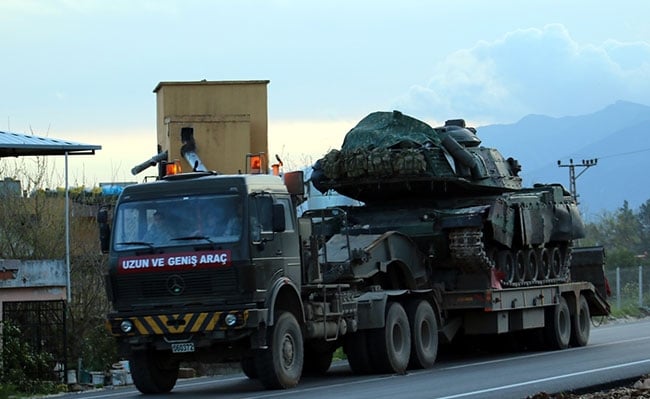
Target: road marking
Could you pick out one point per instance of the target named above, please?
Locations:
(559, 377)
(532, 355)
(179, 386)
(299, 391)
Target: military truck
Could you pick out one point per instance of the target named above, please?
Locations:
(448, 247)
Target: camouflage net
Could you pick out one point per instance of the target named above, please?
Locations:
(387, 144)
(383, 162)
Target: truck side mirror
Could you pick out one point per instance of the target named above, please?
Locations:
(279, 224)
(104, 230)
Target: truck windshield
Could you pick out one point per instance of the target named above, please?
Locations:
(174, 221)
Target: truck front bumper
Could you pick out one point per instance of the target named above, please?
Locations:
(185, 323)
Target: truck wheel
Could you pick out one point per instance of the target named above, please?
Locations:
(355, 347)
(317, 360)
(153, 372)
(424, 334)
(557, 325)
(280, 365)
(581, 323)
(248, 366)
(391, 345)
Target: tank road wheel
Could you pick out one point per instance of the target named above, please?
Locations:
(565, 251)
(506, 264)
(557, 325)
(153, 372)
(355, 347)
(280, 365)
(544, 262)
(520, 266)
(391, 345)
(532, 265)
(248, 366)
(556, 262)
(581, 323)
(424, 334)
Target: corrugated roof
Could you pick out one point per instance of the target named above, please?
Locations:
(15, 144)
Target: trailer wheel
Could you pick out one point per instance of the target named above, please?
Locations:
(391, 345)
(280, 365)
(153, 372)
(424, 334)
(581, 323)
(557, 325)
(248, 366)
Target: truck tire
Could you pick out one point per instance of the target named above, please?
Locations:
(424, 334)
(280, 365)
(248, 366)
(355, 347)
(153, 372)
(557, 325)
(317, 359)
(391, 345)
(581, 323)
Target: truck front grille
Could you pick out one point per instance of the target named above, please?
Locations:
(189, 287)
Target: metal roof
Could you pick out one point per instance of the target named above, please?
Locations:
(14, 145)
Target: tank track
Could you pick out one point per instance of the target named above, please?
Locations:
(468, 252)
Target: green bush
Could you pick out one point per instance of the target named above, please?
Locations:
(23, 369)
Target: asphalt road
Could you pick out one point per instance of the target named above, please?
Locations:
(615, 352)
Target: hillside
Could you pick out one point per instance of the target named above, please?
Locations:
(618, 135)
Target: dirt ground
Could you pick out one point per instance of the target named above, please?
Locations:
(638, 390)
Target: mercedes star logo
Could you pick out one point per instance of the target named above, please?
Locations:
(175, 285)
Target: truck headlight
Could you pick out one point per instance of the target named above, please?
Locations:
(126, 326)
(231, 320)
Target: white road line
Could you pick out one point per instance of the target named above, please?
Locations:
(559, 377)
(532, 355)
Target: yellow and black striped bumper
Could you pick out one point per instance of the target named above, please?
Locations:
(180, 323)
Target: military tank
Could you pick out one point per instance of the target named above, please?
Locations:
(462, 203)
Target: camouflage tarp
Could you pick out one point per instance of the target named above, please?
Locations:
(389, 130)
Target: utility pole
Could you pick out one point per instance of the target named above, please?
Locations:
(586, 164)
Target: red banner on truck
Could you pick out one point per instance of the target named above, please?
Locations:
(174, 262)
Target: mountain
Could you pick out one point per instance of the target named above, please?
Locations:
(618, 136)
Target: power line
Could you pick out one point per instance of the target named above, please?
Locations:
(624, 153)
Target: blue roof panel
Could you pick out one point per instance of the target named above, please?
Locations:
(15, 144)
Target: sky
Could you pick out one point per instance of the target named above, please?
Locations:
(85, 70)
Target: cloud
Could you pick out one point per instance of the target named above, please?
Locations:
(540, 71)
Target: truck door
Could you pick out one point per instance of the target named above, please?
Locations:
(274, 253)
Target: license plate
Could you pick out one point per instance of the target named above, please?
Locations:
(183, 348)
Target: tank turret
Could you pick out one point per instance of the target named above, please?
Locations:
(390, 154)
